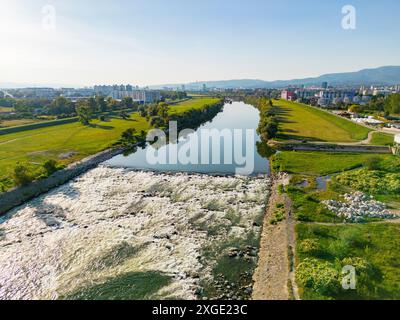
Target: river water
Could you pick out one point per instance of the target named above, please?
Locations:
(119, 233)
(235, 116)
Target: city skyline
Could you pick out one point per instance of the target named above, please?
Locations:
(153, 43)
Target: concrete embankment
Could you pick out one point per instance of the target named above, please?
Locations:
(20, 195)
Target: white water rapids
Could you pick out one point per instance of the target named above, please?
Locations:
(110, 222)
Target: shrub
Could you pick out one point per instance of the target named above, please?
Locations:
(281, 189)
(372, 163)
(372, 182)
(319, 276)
(278, 216)
(366, 274)
(23, 175)
(309, 246)
(50, 166)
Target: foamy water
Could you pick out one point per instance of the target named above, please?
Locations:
(110, 222)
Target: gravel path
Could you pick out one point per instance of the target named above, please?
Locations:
(274, 276)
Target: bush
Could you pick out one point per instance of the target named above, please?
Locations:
(50, 166)
(372, 182)
(319, 276)
(278, 216)
(23, 175)
(309, 246)
(372, 163)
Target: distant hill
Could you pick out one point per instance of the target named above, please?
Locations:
(389, 75)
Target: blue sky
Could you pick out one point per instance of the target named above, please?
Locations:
(157, 41)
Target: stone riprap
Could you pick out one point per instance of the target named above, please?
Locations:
(358, 207)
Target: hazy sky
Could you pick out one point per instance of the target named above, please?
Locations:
(174, 41)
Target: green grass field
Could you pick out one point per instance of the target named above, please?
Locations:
(37, 146)
(18, 122)
(371, 248)
(302, 122)
(320, 163)
(382, 139)
(197, 103)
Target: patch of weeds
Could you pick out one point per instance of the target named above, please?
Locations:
(278, 216)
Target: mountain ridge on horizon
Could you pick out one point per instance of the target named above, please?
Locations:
(386, 75)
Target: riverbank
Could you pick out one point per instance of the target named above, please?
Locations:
(274, 275)
(20, 195)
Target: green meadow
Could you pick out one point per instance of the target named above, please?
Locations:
(382, 139)
(38, 145)
(195, 103)
(322, 252)
(75, 140)
(301, 122)
(320, 163)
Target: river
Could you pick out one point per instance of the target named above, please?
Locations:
(235, 116)
(117, 232)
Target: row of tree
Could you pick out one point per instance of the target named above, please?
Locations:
(385, 105)
(269, 123)
(62, 107)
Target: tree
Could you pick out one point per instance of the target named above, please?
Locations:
(163, 110)
(59, 106)
(92, 104)
(268, 128)
(124, 115)
(142, 111)
(22, 174)
(129, 136)
(392, 104)
(84, 112)
(127, 102)
(101, 104)
(356, 108)
(112, 104)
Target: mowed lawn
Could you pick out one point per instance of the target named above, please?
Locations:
(302, 122)
(196, 103)
(321, 163)
(382, 139)
(38, 145)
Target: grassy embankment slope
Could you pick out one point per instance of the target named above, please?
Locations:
(325, 245)
(196, 103)
(302, 122)
(18, 122)
(39, 145)
(382, 139)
